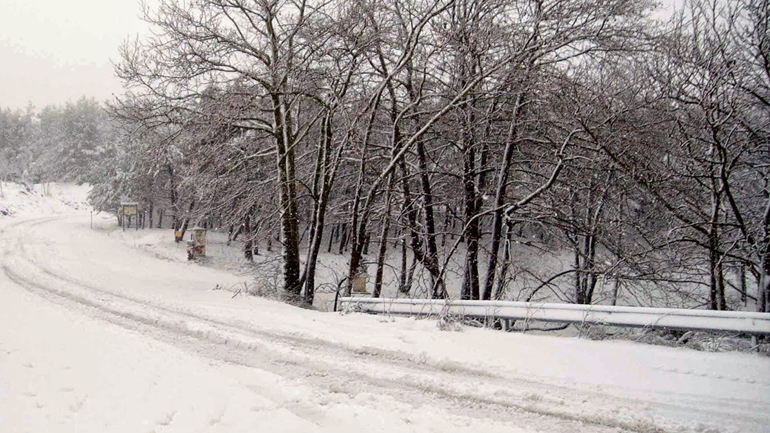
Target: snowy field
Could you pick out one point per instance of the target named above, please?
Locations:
(98, 335)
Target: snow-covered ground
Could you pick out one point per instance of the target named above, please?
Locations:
(534, 262)
(98, 335)
(42, 199)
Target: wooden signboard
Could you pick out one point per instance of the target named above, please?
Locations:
(129, 210)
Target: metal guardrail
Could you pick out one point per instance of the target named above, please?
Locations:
(665, 318)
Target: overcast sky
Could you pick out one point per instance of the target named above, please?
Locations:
(52, 51)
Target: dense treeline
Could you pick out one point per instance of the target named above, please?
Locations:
(57, 143)
(446, 142)
(638, 147)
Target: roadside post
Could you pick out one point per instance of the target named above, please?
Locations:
(196, 247)
(359, 281)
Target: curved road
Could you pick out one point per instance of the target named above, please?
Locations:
(96, 335)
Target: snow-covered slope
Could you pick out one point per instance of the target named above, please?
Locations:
(96, 335)
(42, 199)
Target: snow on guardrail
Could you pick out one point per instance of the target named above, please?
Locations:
(668, 318)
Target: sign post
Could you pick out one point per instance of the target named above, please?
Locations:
(129, 209)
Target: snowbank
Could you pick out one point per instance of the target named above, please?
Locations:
(98, 335)
(43, 199)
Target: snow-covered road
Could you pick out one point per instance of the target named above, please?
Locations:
(98, 336)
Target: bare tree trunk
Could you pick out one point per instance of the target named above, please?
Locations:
(359, 217)
(508, 251)
(721, 300)
(250, 229)
(410, 276)
(383, 239)
(470, 287)
(416, 245)
(763, 291)
(288, 197)
(160, 218)
(615, 290)
(502, 185)
(578, 274)
(742, 283)
(248, 252)
(174, 201)
(447, 217)
(319, 211)
(590, 265)
(716, 279)
(367, 241)
(402, 287)
(230, 232)
(332, 236)
(472, 202)
(432, 258)
(185, 221)
(343, 238)
(152, 212)
(325, 177)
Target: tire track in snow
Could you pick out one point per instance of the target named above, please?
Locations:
(225, 349)
(300, 360)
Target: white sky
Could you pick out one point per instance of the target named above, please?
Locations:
(52, 51)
